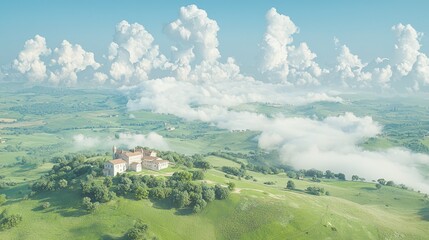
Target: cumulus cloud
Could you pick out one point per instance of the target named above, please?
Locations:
(382, 75)
(410, 65)
(283, 62)
(422, 68)
(350, 69)
(129, 140)
(196, 32)
(196, 54)
(100, 77)
(70, 60)
(407, 47)
(29, 59)
(133, 54)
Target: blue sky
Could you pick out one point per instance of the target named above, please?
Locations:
(365, 26)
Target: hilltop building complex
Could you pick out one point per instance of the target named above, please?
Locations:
(133, 160)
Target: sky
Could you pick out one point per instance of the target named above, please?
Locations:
(365, 26)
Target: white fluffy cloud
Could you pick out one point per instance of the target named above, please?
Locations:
(350, 69)
(422, 68)
(129, 140)
(196, 54)
(63, 65)
(29, 62)
(411, 65)
(100, 77)
(407, 47)
(280, 29)
(70, 60)
(133, 54)
(196, 32)
(383, 75)
(283, 62)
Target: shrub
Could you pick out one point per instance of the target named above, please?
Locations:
(138, 231)
(46, 205)
(231, 185)
(315, 190)
(88, 205)
(8, 221)
(290, 185)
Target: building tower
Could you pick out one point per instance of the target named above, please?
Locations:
(114, 152)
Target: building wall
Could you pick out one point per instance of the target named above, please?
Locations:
(134, 159)
(119, 168)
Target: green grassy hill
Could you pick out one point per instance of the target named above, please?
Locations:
(354, 210)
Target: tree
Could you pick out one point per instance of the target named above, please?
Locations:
(378, 185)
(329, 174)
(197, 175)
(355, 178)
(390, 183)
(181, 199)
(290, 185)
(183, 176)
(231, 186)
(291, 174)
(203, 165)
(157, 193)
(208, 193)
(199, 205)
(141, 193)
(341, 176)
(62, 183)
(381, 181)
(138, 232)
(108, 181)
(89, 205)
(221, 192)
(99, 193)
(8, 221)
(315, 190)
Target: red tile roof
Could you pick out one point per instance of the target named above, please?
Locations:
(131, 154)
(149, 158)
(117, 161)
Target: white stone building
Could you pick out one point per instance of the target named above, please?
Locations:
(114, 167)
(133, 160)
